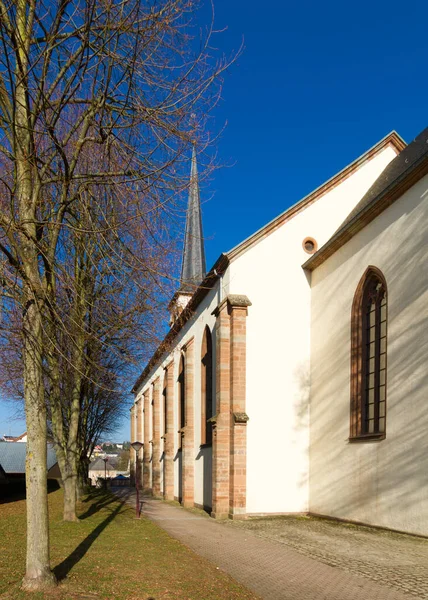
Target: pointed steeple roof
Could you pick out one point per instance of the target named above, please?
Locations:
(193, 268)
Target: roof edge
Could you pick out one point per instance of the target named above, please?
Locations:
(221, 264)
(369, 213)
(392, 138)
(202, 290)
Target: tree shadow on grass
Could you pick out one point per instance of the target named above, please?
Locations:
(102, 499)
(61, 571)
(95, 493)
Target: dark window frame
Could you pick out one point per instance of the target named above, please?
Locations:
(165, 402)
(206, 387)
(181, 380)
(369, 329)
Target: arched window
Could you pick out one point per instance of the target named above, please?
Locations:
(368, 357)
(206, 387)
(164, 403)
(181, 398)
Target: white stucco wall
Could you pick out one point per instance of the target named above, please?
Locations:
(278, 344)
(278, 351)
(382, 483)
(195, 327)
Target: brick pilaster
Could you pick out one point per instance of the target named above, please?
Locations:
(188, 444)
(229, 424)
(147, 445)
(132, 456)
(156, 438)
(221, 424)
(169, 434)
(237, 307)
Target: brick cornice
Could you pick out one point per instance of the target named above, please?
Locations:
(232, 301)
(240, 418)
(238, 301)
(393, 140)
(368, 214)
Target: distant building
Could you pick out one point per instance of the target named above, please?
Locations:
(120, 481)
(100, 469)
(12, 438)
(98, 451)
(12, 461)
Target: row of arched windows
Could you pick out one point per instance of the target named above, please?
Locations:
(368, 366)
(206, 392)
(368, 357)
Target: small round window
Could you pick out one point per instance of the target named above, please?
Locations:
(309, 245)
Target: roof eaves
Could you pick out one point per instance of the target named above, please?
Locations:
(377, 205)
(201, 291)
(393, 138)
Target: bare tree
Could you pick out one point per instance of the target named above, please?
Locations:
(119, 77)
(92, 331)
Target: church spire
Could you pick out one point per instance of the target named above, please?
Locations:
(193, 268)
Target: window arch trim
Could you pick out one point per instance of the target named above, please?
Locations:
(359, 358)
(164, 397)
(206, 387)
(181, 381)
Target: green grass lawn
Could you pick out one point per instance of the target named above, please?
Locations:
(110, 555)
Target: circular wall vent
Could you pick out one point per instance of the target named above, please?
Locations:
(310, 245)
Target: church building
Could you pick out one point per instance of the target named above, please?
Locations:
(294, 376)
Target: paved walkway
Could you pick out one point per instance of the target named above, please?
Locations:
(268, 568)
(396, 560)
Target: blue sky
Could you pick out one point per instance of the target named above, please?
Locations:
(317, 85)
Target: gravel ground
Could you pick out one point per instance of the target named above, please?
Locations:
(392, 559)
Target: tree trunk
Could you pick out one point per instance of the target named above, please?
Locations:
(71, 477)
(66, 456)
(82, 478)
(38, 573)
(70, 497)
(66, 459)
(69, 484)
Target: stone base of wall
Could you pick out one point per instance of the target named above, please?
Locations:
(363, 524)
(238, 517)
(219, 516)
(276, 514)
(206, 509)
(237, 513)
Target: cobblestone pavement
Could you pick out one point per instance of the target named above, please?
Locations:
(396, 560)
(272, 570)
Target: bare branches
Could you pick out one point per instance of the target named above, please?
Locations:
(99, 102)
